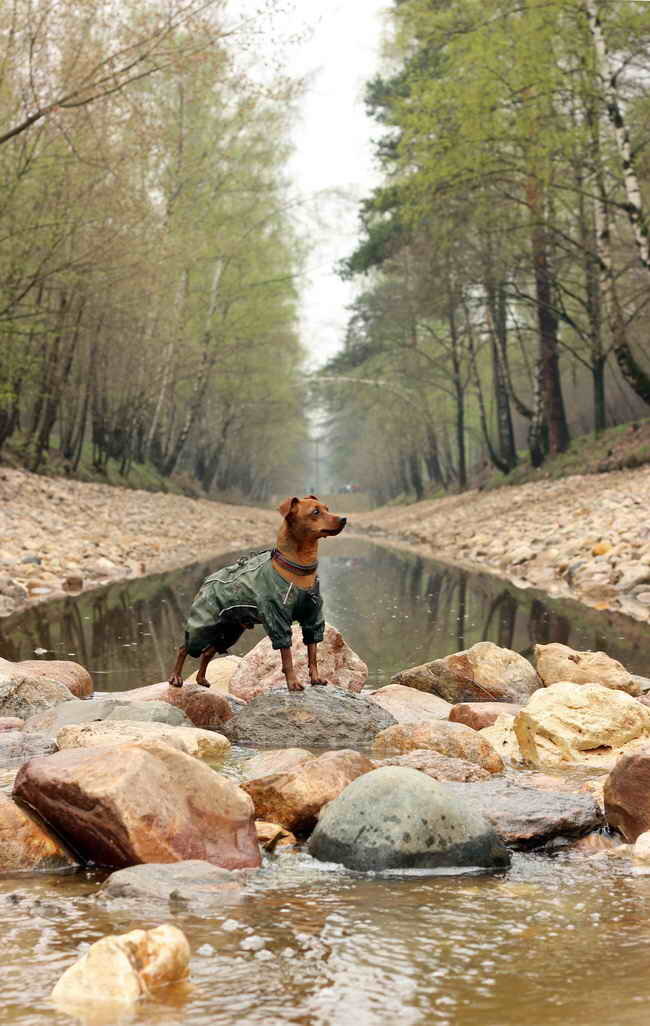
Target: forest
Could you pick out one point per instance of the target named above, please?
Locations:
(148, 267)
(503, 262)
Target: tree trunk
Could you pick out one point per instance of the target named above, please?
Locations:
(496, 304)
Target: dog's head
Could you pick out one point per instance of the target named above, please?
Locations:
(310, 519)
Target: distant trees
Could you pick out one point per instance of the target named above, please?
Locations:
(507, 248)
(148, 259)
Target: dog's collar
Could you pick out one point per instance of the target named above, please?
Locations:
(296, 568)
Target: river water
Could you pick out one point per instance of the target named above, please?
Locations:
(560, 939)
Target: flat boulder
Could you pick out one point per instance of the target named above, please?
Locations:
(26, 845)
(260, 671)
(529, 817)
(453, 740)
(479, 715)
(23, 696)
(118, 971)
(195, 883)
(398, 818)
(627, 795)
(557, 663)
(587, 724)
(71, 675)
(280, 760)
(202, 744)
(482, 673)
(149, 712)
(99, 709)
(16, 747)
(202, 706)
(439, 767)
(314, 718)
(410, 706)
(294, 798)
(127, 804)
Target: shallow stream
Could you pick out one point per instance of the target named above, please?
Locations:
(558, 940)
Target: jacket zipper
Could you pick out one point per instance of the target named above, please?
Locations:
(284, 601)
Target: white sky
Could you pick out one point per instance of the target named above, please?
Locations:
(333, 165)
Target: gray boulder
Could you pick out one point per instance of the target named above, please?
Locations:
(399, 818)
(16, 748)
(150, 712)
(315, 718)
(527, 817)
(192, 882)
(93, 710)
(22, 695)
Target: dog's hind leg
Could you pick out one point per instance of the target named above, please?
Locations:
(176, 676)
(206, 655)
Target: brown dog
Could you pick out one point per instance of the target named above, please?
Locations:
(273, 588)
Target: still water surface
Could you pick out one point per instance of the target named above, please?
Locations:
(558, 940)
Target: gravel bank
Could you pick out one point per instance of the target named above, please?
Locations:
(585, 537)
(61, 536)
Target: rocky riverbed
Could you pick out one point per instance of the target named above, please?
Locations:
(585, 537)
(60, 536)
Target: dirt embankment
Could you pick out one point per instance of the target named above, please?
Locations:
(59, 535)
(587, 537)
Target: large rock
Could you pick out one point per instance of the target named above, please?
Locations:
(23, 696)
(501, 735)
(440, 767)
(294, 799)
(557, 663)
(274, 761)
(197, 884)
(410, 706)
(260, 671)
(529, 817)
(315, 718)
(397, 818)
(451, 739)
(202, 744)
(627, 795)
(482, 673)
(122, 969)
(202, 706)
(17, 747)
(580, 723)
(73, 676)
(479, 715)
(25, 844)
(122, 805)
(84, 711)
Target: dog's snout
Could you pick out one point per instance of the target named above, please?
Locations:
(344, 521)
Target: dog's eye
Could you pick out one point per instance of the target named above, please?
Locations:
(316, 513)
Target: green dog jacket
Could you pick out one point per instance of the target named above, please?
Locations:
(248, 592)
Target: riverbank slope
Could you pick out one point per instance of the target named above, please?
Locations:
(63, 536)
(584, 536)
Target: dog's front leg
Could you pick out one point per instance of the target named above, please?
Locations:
(206, 655)
(293, 683)
(312, 662)
(176, 676)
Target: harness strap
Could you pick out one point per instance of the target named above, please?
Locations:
(297, 568)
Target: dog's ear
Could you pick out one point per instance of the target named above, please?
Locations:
(288, 506)
(315, 497)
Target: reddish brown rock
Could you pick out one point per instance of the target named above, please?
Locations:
(138, 803)
(481, 673)
(439, 767)
(73, 676)
(627, 795)
(203, 706)
(273, 836)
(294, 799)
(25, 844)
(11, 723)
(478, 715)
(454, 740)
(260, 670)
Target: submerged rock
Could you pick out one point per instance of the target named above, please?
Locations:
(122, 969)
(194, 882)
(560, 663)
(398, 818)
(482, 673)
(453, 740)
(529, 817)
(26, 845)
(314, 718)
(408, 705)
(294, 798)
(125, 804)
(260, 671)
